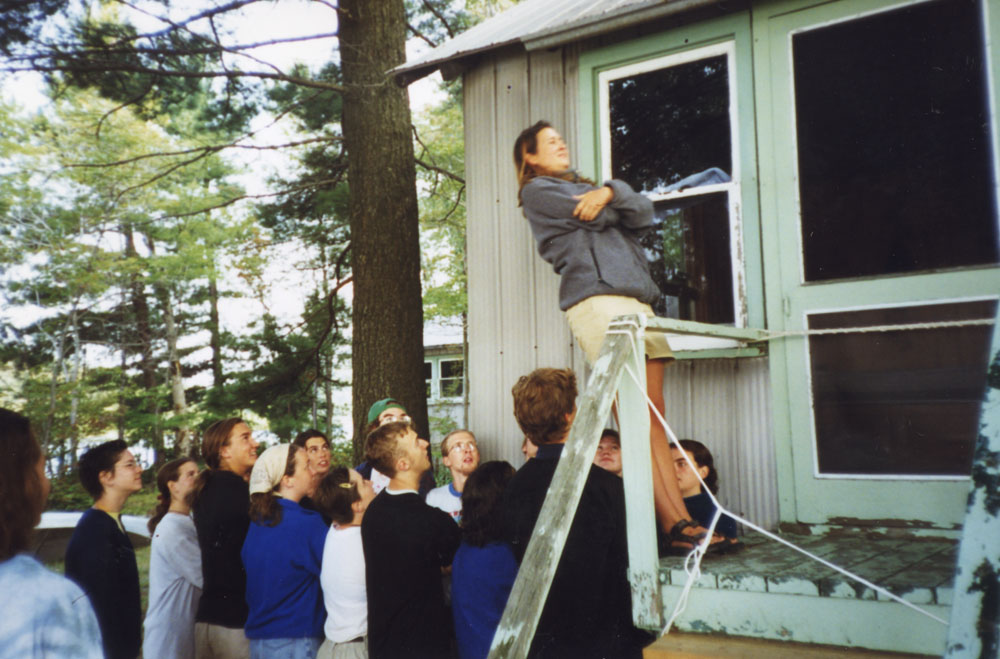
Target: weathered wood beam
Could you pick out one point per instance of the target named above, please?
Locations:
(974, 629)
(524, 606)
(643, 559)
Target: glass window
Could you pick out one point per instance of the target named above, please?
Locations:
(899, 402)
(670, 119)
(429, 379)
(893, 143)
(669, 123)
(690, 261)
(452, 378)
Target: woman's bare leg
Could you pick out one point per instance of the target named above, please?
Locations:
(669, 502)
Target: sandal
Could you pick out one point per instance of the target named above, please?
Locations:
(682, 544)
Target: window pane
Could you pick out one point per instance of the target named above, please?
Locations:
(451, 368)
(670, 123)
(451, 387)
(900, 402)
(893, 143)
(428, 376)
(690, 259)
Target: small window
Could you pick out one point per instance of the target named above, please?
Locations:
(452, 378)
(894, 164)
(899, 402)
(669, 131)
(429, 379)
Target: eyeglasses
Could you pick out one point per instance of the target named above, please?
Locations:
(392, 417)
(464, 446)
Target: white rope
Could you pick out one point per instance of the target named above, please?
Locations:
(692, 563)
(768, 335)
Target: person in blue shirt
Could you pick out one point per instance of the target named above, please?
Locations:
(283, 554)
(484, 568)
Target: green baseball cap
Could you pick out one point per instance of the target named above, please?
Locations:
(380, 406)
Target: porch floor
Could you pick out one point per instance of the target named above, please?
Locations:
(920, 570)
(772, 591)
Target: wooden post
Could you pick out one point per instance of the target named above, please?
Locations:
(633, 419)
(524, 606)
(974, 629)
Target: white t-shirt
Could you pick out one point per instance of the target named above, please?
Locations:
(448, 499)
(175, 582)
(342, 578)
(379, 480)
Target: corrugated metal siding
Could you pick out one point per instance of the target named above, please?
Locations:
(515, 324)
(725, 405)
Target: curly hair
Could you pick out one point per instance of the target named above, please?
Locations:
(21, 489)
(542, 399)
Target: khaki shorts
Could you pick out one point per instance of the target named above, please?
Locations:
(218, 642)
(589, 320)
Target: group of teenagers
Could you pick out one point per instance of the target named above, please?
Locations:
(283, 556)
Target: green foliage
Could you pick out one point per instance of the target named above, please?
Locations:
(68, 494)
(442, 208)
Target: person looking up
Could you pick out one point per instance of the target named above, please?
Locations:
(283, 553)
(175, 577)
(460, 454)
(609, 452)
(406, 545)
(221, 516)
(343, 495)
(100, 557)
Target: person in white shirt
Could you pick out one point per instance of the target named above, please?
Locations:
(343, 495)
(461, 455)
(175, 577)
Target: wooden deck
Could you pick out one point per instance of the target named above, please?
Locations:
(772, 591)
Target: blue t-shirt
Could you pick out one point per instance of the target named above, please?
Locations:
(283, 565)
(481, 580)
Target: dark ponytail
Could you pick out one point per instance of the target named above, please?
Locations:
(168, 472)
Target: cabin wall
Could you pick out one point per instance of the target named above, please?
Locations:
(515, 324)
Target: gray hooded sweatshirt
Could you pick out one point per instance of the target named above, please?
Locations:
(600, 257)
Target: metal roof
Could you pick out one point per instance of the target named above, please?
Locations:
(542, 24)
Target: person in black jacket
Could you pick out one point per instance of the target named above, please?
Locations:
(222, 516)
(407, 544)
(100, 557)
(588, 612)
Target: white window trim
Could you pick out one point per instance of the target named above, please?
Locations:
(435, 381)
(728, 49)
(812, 403)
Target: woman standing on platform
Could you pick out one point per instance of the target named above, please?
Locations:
(589, 234)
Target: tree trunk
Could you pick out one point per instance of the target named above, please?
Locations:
(385, 250)
(215, 335)
(182, 435)
(144, 336)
